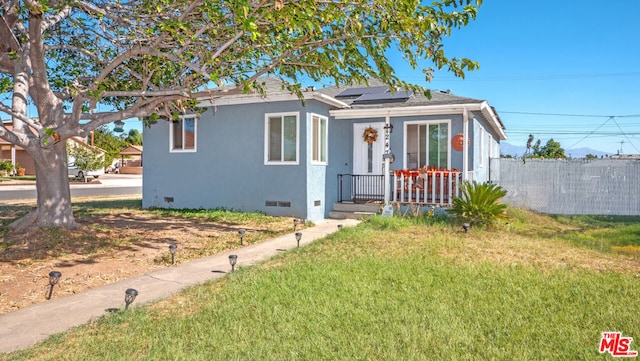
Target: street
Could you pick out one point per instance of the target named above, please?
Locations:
(110, 185)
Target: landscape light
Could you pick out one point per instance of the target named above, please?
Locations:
(233, 259)
(241, 234)
(465, 226)
(172, 249)
(54, 277)
(129, 296)
(340, 226)
(298, 237)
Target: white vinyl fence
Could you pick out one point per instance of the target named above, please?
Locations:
(570, 186)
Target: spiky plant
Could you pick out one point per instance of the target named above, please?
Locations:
(479, 203)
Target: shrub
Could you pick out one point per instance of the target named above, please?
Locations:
(479, 203)
(6, 166)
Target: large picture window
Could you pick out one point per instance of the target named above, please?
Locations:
(319, 139)
(428, 145)
(183, 134)
(281, 138)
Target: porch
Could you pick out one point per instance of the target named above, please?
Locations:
(422, 186)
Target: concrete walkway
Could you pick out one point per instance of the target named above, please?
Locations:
(23, 328)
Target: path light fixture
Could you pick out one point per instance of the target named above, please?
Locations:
(340, 226)
(54, 277)
(233, 259)
(298, 237)
(172, 249)
(465, 226)
(241, 234)
(129, 296)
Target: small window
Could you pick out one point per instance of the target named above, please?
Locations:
(319, 139)
(183, 134)
(281, 138)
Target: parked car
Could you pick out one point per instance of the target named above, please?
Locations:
(74, 171)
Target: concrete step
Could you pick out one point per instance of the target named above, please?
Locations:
(349, 215)
(357, 207)
(353, 210)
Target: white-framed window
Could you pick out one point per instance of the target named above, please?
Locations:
(183, 134)
(319, 139)
(481, 146)
(281, 132)
(427, 143)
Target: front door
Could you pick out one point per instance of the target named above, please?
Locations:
(367, 162)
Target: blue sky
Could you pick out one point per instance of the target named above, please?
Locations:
(579, 58)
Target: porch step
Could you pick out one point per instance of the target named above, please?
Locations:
(353, 210)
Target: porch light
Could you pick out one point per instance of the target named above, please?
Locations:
(241, 234)
(129, 296)
(172, 249)
(54, 277)
(298, 237)
(233, 259)
(389, 127)
(465, 226)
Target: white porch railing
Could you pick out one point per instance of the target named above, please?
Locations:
(433, 187)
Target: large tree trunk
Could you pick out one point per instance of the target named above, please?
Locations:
(54, 195)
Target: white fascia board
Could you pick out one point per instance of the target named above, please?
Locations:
(254, 98)
(442, 109)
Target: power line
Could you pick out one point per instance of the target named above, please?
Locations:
(571, 115)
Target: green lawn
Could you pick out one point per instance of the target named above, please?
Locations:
(394, 289)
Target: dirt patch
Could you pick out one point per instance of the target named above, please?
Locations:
(109, 248)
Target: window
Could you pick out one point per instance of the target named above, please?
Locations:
(481, 146)
(319, 139)
(281, 138)
(428, 145)
(183, 134)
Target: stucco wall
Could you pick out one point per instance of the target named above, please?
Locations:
(228, 170)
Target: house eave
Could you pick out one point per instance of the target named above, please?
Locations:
(254, 98)
(441, 109)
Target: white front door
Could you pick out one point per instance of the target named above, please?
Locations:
(367, 157)
(368, 182)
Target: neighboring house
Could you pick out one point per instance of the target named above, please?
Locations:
(279, 155)
(17, 155)
(131, 160)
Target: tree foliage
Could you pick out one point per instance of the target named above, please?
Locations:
(87, 63)
(86, 158)
(551, 149)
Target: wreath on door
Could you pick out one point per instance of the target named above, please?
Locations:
(370, 135)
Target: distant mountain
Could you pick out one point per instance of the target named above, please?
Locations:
(518, 151)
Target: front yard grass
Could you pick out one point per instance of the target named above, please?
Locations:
(393, 289)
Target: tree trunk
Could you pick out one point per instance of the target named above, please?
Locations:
(53, 192)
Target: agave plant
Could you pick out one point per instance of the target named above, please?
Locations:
(479, 203)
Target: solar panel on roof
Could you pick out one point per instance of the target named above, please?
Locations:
(399, 95)
(354, 92)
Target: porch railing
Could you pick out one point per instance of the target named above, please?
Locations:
(360, 188)
(407, 187)
(436, 187)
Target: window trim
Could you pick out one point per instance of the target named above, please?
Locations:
(172, 148)
(266, 138)
(427, 123)
(321, 142)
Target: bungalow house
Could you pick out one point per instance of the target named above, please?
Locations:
(19, 156)
(283, 156)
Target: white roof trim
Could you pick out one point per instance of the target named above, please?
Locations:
(441, 109)
(255, 98)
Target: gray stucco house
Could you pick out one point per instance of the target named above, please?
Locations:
(279, 155)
